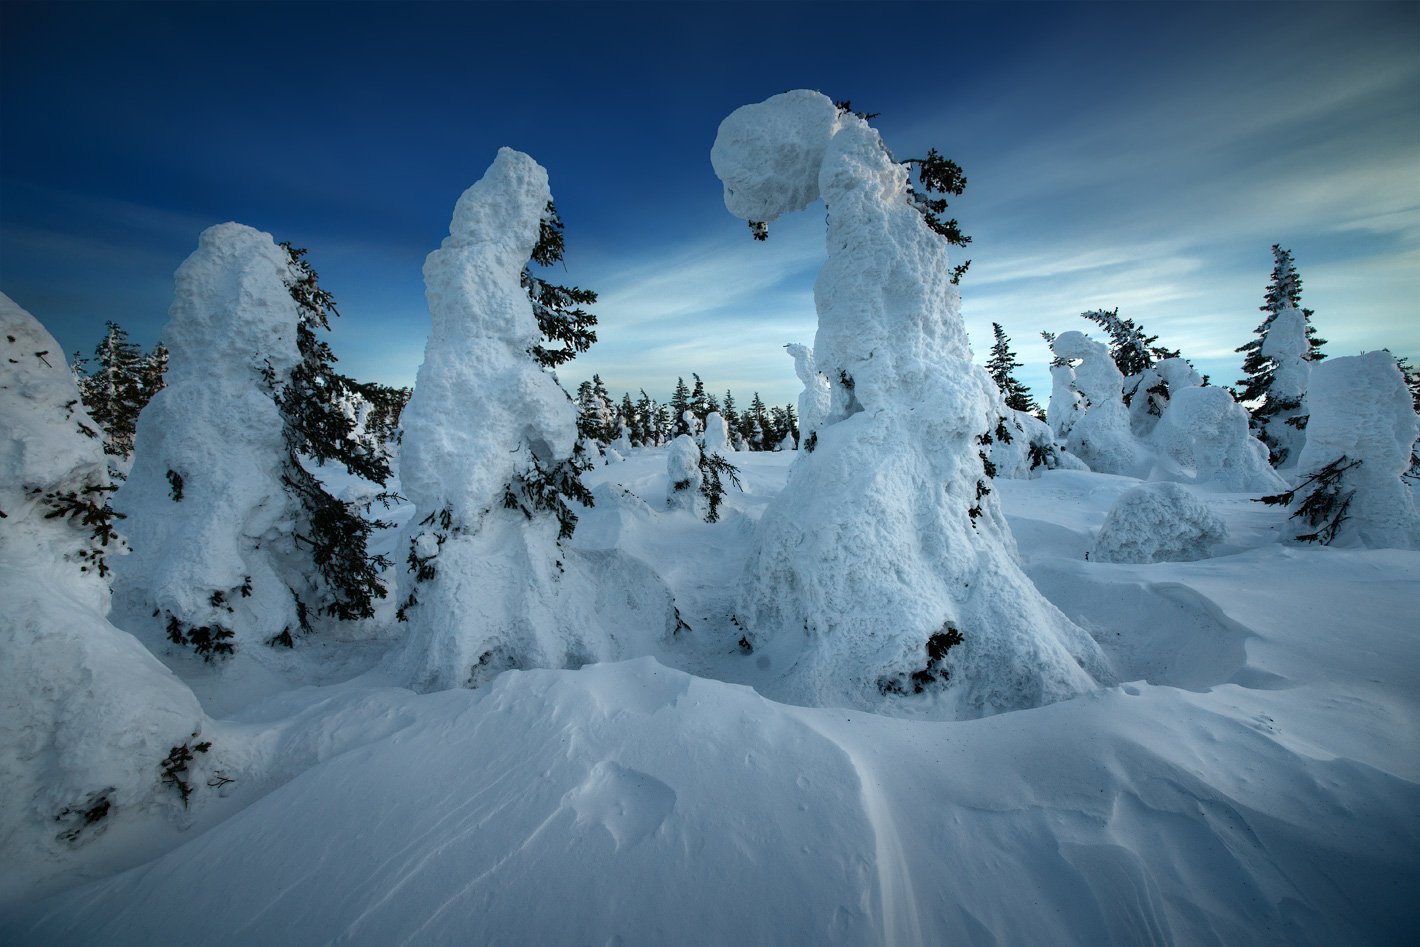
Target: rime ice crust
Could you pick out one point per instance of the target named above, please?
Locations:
(1361, 409)
(83, 706)
(505, 594)
(231, 335)
(873, 546)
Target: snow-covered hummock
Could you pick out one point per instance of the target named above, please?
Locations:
(1287, 346)
(1101, 434)
(216, 425)
(683, 476)
(1205, 432)
(1361, 409)
(816, 398)
(87, 714)
(717, 434)
(1158, 522)
(872, 547)
(505, 593)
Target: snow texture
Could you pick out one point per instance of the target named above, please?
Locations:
(816, 398)
(1287, 346)
(87, 715)
(1206, 433)
(1361, 409)
(504, 593)
(1158, 522)
(1028, 449)
(214, 436)
(683, 476)
(887, 534)
(1064, 407)
(1100, 433)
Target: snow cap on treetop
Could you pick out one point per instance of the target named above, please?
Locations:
(768, 154)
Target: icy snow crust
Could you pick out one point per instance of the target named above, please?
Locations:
(505, 594)
(86, 712)
(216, 425)
(1361, 409)
(873, 547)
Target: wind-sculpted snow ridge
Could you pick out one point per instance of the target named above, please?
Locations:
(1362, 411)
(489, 587)
(209, 519)
(87, 715)
(884, 573)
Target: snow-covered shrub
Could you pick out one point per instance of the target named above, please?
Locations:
(683, 479)
(1158, 522)
(86, 713)
(1100, 433)
(1359, 437)
(489, 459)
(209, 516)
(1206, 433)
(888, 533)
(716, 438)
(1022, 446)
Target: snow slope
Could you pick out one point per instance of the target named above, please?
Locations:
(1254, 781)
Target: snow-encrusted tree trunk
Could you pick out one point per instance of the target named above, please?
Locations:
(489, 440)
(209, 518)
(1281, 425)
(87, 714)
(1101, 434)
(1360, 434)
(816, 398)
(885, 568)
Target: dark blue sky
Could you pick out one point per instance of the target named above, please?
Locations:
(1139, 155)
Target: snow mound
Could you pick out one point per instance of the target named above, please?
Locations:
(887, 548)
(1361, 409)
(209, 519)
(1206, 432)
(1158, 522)
(87, 715)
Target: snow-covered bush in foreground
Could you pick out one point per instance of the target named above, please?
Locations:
(209, 518)
(87, 715)
(488, 459)
(1358, 444)
(886, 567)
(1158, 522)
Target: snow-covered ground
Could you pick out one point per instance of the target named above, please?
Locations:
(1254, 780)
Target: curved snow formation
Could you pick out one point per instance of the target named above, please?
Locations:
(816, 398)
(888, 533)
(87, 714)
(207, 512)
(1362, 410)
(504, 592)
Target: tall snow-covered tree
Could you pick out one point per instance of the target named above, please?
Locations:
(1001, 366)
(679, 405)
(1132, 349)
(1284, 291)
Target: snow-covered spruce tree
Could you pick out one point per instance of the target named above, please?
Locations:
(1001, 366)
(567, 329)
(87, 714)
(1363, 426)
(1205, 433)
(1100, 433)
(815, 399)
(211, 520)
(1284, 291)
(120, 384)
(1282, 428)
(489, 460)
(885, 568)
(695, 478)
(1145, 388)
